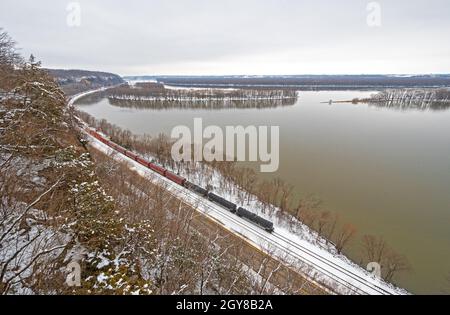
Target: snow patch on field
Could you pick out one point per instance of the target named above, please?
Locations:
(28, 245)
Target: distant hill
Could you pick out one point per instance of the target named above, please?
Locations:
(76, 81)
(305, 82)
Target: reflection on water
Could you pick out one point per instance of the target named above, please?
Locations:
(207, 105)
(387, 171)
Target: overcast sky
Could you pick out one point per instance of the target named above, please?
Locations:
(196, 37)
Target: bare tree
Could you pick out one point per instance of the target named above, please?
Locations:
(395, 263)
(375, 248)
(322, 222)
(344, 236)
(9, 58)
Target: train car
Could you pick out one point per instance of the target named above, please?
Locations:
(157, 169)
(175, 178)
(99, 138)
(254, 218)
(96, 135)
(120, 149)
(109, 143)
(223, 202)
(142, 161)
(131, 155)
(195, 188)
(114, 146)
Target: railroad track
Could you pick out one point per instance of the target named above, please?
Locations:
(287, 248)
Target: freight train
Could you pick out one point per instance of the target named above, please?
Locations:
(241, 212)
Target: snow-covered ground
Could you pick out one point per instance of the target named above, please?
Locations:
(74, 98)
(133, 82)
(173, 87)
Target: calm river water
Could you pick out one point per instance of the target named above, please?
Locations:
(384, 170)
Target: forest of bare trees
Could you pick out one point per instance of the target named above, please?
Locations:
(193, 255)
(77, 81)
(156, 96)
(419, 99)
(158, 91)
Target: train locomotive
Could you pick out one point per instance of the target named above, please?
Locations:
(233, 208)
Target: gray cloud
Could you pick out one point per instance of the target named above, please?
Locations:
(234, 37)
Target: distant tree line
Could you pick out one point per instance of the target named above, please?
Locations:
(156, 96)
(155, 92)
(421, 99)
(211, 104)
(307, 82)
(76, 81)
